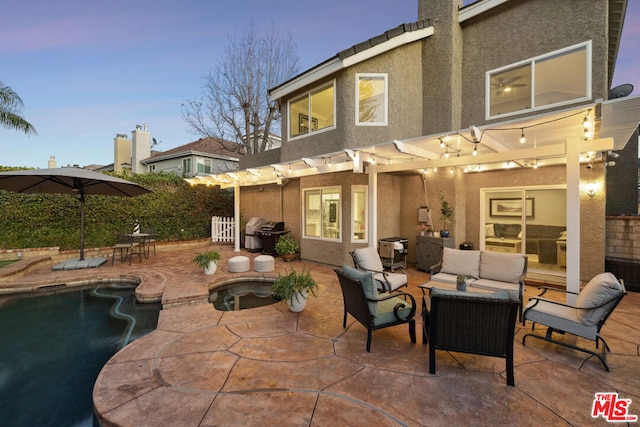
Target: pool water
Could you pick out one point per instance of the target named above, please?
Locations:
(52, 348)
(242, 295)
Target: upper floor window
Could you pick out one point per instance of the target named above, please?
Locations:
(203, 165)
(371, 99)
(186, 165)
(555, 79)
(312, 112)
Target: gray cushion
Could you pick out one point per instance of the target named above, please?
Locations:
(368, 258)
(601, 288)
(385, 311)
(455, 261)
(502, 267)
(368, 285)
(395, 280)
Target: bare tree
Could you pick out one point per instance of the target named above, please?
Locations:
(234, 104)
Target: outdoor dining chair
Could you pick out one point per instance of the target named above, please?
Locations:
(127, 247)
(149, 240)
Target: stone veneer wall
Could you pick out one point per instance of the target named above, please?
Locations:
(623, 237)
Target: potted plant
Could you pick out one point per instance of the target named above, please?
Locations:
(294, 288)
(446, 215)
(461, 281)
(207, 261)
(287, 247)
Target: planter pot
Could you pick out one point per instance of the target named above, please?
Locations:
(298, 302)
(444, 233)
(289, 257)
(461, 286)
(211, 268)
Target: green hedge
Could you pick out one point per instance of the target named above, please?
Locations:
(176, 210)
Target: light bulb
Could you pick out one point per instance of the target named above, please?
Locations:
(522, 138)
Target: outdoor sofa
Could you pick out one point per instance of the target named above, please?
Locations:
(487, 270)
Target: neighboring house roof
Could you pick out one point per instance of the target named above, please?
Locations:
(389, 40)
(205, 147)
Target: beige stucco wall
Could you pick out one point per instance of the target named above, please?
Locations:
(403, 67)
(539, 26)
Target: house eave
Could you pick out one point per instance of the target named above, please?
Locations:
(338, 63)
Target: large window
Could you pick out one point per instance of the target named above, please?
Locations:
(203, 165)
(371, 99)
(558, 78)
(322, 213)
(359, 213)
(312, 112)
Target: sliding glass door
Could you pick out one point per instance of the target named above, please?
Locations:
(527, 220)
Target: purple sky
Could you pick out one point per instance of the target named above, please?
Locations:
(88, 70)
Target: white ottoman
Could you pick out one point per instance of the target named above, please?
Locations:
(263, 263)
(238, 264)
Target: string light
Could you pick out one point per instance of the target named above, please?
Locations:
(522, 138)
(475, 150)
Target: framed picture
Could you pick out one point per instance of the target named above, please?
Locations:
(303, 123)
(511, 207)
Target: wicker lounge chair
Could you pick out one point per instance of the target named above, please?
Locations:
(468, 322)
(362, 302)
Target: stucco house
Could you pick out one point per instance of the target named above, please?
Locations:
(204, 156)
(500, 107)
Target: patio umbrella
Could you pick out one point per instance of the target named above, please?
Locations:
(69, 181)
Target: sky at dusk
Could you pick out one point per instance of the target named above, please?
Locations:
(88, 70)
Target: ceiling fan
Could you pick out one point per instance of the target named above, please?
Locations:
(507, 84)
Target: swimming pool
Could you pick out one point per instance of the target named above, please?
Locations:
(52, 348)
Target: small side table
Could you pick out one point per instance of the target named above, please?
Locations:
(562, 253)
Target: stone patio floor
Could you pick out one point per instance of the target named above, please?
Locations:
(268, 366)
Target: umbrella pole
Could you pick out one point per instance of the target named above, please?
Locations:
(81, 226)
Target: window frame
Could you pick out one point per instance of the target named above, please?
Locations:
(308, 95)
(587, 46)
(385, 78)
(322, 190)
(354, 216)
(205, 162)
(187, 161)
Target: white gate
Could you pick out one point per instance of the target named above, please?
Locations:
(222, 229)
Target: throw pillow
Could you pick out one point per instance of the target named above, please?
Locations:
(456, 261)
(600, 289)
(489, 231)
(368, 285)
(368, 258)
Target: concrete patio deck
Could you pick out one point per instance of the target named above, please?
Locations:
(268, 366)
